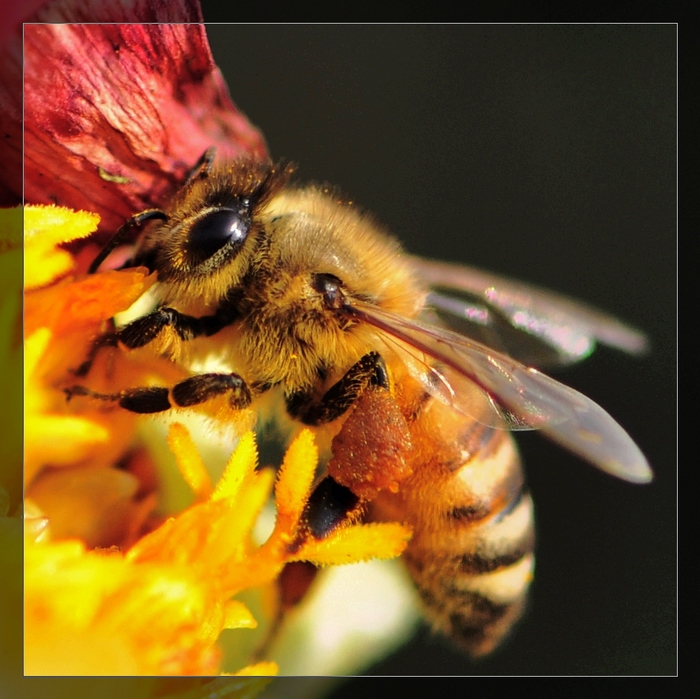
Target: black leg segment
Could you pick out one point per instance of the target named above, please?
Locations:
(330, 506)
(203, 166)
(368, 371)
(145, 400)
(124, 232)
(202, 387)
(157, 399)
(144, 330)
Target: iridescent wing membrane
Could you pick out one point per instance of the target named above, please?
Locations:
(568, 327)
(449, 364)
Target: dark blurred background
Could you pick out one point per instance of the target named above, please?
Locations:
(548, 153)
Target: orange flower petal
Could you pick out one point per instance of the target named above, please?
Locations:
(94, 505)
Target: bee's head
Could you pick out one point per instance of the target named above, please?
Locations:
(205, 245)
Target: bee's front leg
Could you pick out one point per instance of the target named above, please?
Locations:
(203, 167)
(131, 224)
(370, 370)
(145, 330)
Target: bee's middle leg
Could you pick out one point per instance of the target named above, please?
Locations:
(187, 393)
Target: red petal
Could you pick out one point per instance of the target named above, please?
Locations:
(115, 115)
(75, 11)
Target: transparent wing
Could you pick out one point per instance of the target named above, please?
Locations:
(450, 365)
(569, 327)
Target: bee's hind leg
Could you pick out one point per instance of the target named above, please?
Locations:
(191, 391)
(332, 504)
(368, 371)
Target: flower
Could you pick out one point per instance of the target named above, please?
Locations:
(136, 562)
(113, 588)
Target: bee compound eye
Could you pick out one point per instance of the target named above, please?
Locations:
(215, 230)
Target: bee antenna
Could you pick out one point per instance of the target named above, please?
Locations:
(203, 167)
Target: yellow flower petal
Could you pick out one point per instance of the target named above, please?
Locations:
(296, 474)
(45, 227)
(258, 670)
(240, 466)
(238, 616)
(188, 460)
(293, 485)
(145, 619)
(48, 226)
(358, 543)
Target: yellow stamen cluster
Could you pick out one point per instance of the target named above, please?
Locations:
(110, 588)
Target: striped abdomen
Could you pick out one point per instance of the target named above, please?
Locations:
(471, 554)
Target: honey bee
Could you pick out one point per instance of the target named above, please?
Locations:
(307, 300)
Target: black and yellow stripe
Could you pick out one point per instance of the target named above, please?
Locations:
(472, 552)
